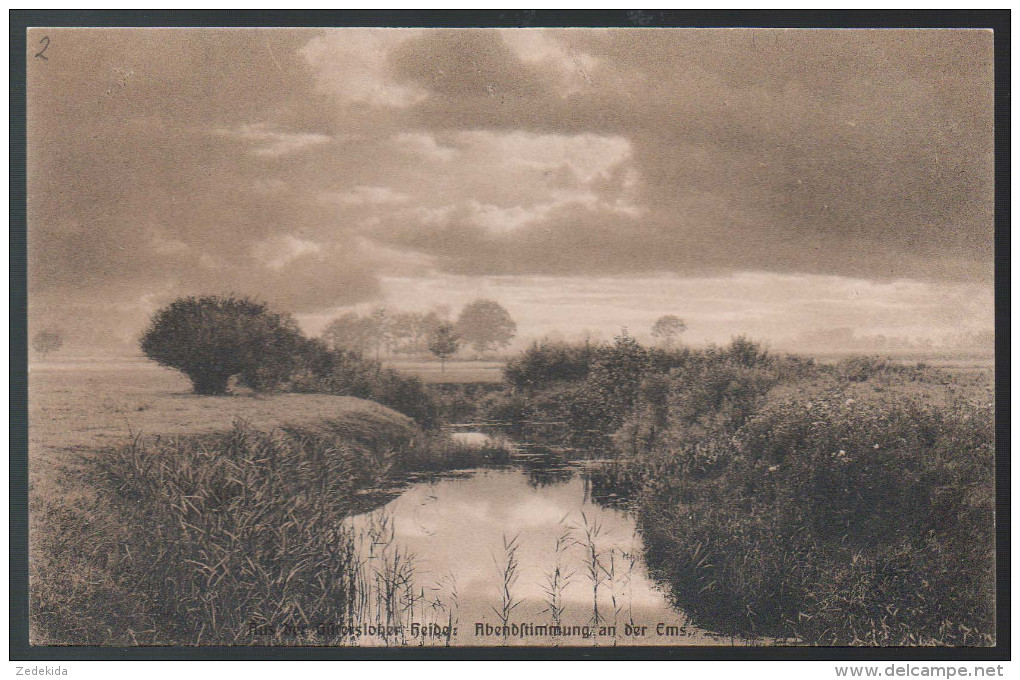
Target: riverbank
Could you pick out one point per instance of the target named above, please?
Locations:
(832, 519)
(849, 503)
(137, 484)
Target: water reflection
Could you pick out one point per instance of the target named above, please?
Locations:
(525, 546)
(540, 476)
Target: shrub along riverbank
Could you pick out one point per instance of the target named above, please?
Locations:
(831, 521)
(848, 504)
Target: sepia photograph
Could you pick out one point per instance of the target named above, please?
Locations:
(428, 338)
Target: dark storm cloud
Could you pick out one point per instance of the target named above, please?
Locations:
(807, 143)
(301, 166)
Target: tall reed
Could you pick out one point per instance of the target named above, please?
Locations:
(241, 538)
(237, 538)
(586, 535)
(558, 578)
(507, 566)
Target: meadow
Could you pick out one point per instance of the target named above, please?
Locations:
(455, 372)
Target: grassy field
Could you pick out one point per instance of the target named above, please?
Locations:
(87, 406)
(953, 361)
(455, 371)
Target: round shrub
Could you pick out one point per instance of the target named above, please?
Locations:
(212, 339)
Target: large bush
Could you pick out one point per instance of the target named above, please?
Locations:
(547, 363)
(347, 373)
(608, 395)
(212, 339)
(832, 521)
(689, 393)
(599, 389)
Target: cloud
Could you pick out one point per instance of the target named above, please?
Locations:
(459, 65)
(366, 195)
(546, 48)
(277, 251)
(266, 140)
(757, 120)
(322, 160)
(423, 144)
(504, 181)
(352, 64)
(585, 156)
(164, 245)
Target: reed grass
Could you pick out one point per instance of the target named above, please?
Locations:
(233, 539)
(832, 522)
(234, 535)
(557, 580)
(507, 564)
(585, 536)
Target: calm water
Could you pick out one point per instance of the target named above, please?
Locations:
(524, 543)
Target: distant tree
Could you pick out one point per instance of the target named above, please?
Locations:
(405, 332)
(431, 322)
(668, 328)
(351, 332)
(211, 339)
(443, 343)
(409, 331)
(378, 327)
(486, 325)
(46, 341)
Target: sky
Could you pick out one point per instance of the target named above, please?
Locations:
(767, 182)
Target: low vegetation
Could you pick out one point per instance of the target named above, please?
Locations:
(822, 504)
(230, 538)
(830, 522)
(347, 373)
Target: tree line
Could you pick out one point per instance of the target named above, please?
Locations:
(485, 325)
(213, 339)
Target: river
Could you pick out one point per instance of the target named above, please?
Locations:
(520, 554)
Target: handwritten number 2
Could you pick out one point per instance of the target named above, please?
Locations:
(45, 42)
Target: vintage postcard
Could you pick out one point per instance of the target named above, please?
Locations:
(493, 337)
